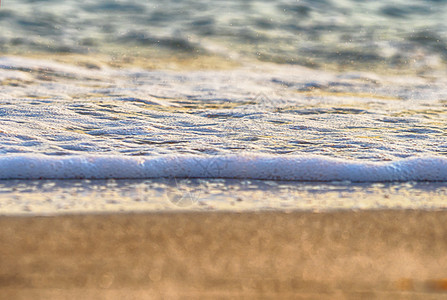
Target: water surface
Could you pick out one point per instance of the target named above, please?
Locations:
(351, 86)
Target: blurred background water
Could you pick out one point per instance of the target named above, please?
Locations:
(316, 33)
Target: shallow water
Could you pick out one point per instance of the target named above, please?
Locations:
(57, 109)
(48, 197)
(309, 91)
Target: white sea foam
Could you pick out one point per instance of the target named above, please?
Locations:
(269, 167)
(258, 121)
(59, 109)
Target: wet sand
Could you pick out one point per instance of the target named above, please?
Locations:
(345, 254)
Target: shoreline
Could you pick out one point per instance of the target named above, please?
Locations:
(229, 254)
(68, 197)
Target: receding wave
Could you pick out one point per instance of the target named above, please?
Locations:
(268, 167)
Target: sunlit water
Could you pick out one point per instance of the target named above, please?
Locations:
(359, 81)
(55, 109)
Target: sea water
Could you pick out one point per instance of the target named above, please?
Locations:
(234, 91)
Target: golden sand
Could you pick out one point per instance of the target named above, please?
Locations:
(365, 254)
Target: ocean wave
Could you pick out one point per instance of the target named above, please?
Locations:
(243, 166)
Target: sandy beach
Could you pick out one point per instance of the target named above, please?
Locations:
(345, 254)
